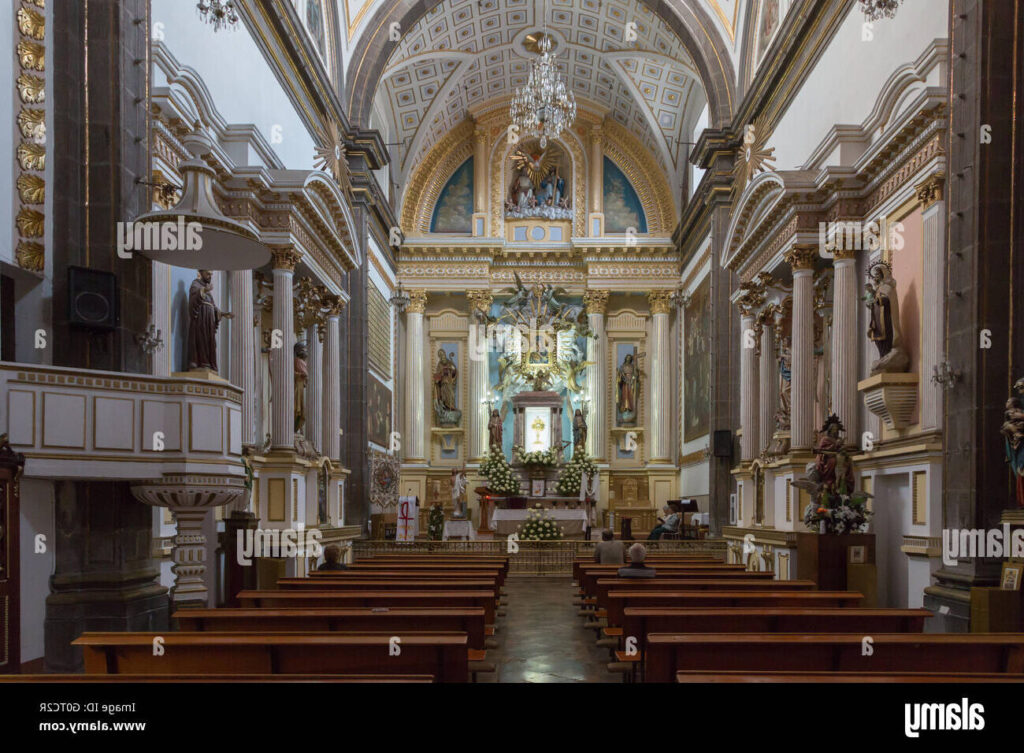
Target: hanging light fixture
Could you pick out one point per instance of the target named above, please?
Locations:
(221, 14)
(400, 299)
(876, 10)
(545, 106)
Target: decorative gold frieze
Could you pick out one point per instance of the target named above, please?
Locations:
(31, 55)
(596, 301)
(30, 251)
(31, 89)
(30, 255)
(930, 192)
(660, 301)
(31, 188)
(417, 302)
(31, 156)
(32, 123)
(30, 223)
(32, 24)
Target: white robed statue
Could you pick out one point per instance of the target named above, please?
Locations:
(459, 483)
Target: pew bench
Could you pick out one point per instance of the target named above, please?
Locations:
(618, 601)
(303, 599)
(702, 678)
(704, 583)
(357, 584)
(232, 678)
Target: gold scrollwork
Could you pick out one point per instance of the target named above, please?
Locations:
(32, 123)
(32, 24)
(32, 55)
(31, 188)
(30, 255)
(32, 89)
(30, 223)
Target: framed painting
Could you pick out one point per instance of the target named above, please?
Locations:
(697, 364)
(379, 412)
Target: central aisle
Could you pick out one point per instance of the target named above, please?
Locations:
(542, 636)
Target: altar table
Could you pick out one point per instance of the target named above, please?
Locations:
(458, 529)
(505, 522)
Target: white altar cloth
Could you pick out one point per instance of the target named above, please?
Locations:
(505, 522)
(458, 529)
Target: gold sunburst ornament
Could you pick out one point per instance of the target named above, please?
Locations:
(331, 158)
(753, 156)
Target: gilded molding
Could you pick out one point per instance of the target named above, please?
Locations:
(429, 177)
(596, 301)
(31, 189)
(32, 24)
(931, 191)
(30, 152)
(30, 256)
(417, 302)
(644, 174)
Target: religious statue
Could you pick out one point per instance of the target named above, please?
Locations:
(884, 328)
(560, 197)
(203, 319)
(522, 191)
(445, 380)
(459, 483)
(301, 378)
(627, 386)
(579, 433)
(494, 429)
(832, 465)
(785, 385)
(1013, 434)
(537, 189)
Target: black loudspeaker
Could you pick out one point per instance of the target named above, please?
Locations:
(723, 444)
(92, 298)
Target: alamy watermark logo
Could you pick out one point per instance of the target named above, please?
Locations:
(942, 717)
(158, 236)
(277, 543)
(968, 543)
(854, 235)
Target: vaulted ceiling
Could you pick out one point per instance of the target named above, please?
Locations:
(462, 54)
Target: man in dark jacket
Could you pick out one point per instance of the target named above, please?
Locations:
(637, 568)
(332, 559)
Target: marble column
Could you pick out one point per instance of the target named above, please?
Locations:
(480, 202)
(282, 375)
(416, 408)
(162, 318)
(331, 430)
(314, 387)
(243, 349)
(933, 220)
(479, 376)
(845, 398)
(660, 353)
(596, 302)
(768, 371)
(801, 259)
(749, 387)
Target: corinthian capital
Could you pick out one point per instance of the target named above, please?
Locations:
(661, 301)
(480, 300)
(596, 301)
(417, 302)
(801, 257)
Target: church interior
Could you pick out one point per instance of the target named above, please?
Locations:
(512, 341)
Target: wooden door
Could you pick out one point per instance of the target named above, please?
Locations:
(10, 614)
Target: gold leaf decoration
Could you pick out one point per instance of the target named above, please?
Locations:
(331, 158)
(31, 156)
(32, 24)
(32, 55)
(32, 89)
(30, 255)
(32, 123)
(753, 156)
(31, 188)
(30, 223)
(38, 3)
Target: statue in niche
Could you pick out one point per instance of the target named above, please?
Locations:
(785, 385)
(445, 380)
(627, 386)
(538, 188)
(884, 328)
(203, 320)
(579, 433)
(494, 429)
(1013, 434)
(301, 378)
(522, 192)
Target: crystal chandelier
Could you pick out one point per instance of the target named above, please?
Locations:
(220, 13)
(545, 106)
(875, 10)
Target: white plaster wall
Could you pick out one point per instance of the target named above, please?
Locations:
(242, 84)
(845, 82)
(697, 174)
(37, 517)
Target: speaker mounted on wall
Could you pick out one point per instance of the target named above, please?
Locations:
(723, 443)
(93, 299)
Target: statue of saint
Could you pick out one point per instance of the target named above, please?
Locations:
(494, 430)
(203, 319)
(627, 387)
(834, 471)
(579, 433)
(785, 385)
(301, 378)
(559, 188)
(459, 483)
(884, 328)
(445, 379)
(522, 191)
(1013, 434)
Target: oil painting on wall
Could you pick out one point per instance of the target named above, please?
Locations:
(622, 209)
(379, 396)
(697, 365)
(453, 212)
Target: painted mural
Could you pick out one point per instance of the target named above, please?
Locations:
(697, 365)
(379, 430)
(622, 208)
(769, 23)
(453, 212)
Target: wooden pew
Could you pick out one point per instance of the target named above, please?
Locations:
(606, 585)
(407, 560)
(651, 560)
(702, 678)
(368, 584)
(431, 570)
(443, 655)
(589, 573)
(329, 599)
(620, 600)
(668, 653)
(593, 581)
(366, 619)
(243, 679)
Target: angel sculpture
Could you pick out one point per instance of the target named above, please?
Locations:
(535, 166)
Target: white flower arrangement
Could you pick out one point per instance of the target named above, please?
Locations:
(499, 474)
(539, 526)
(570, 478)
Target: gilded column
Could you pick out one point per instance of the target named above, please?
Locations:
(282, 376)
(596, 302)
(243, 349)
(801, 259)
(596, 170)
(479, 375)
(415, 383)
(845, 398)
(331, 430)
(660, 375)
(768, 371)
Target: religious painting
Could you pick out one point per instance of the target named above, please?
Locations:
(315, 24)
(379, 412)
(384, 475)
(622, 208)
(540, 183)
(453, 212)
(697, 364)
(769, 23)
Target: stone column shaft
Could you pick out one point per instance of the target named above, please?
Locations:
(282, 374)
(243, 349)
(769, 387)
(660, 411)
(332, 388)
(415, 402)
(314, 389)
(479, 376)
(802, 404)
(749, 390)
(596, 302)
(845, 402)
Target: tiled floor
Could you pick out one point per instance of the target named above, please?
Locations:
(542, 638)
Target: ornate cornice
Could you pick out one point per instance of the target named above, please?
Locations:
(596, 301)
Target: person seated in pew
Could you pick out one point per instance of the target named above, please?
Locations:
(332, 559)
(637, 568)
(608, 551)
(668, 524)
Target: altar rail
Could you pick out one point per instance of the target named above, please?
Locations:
(533, 557)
